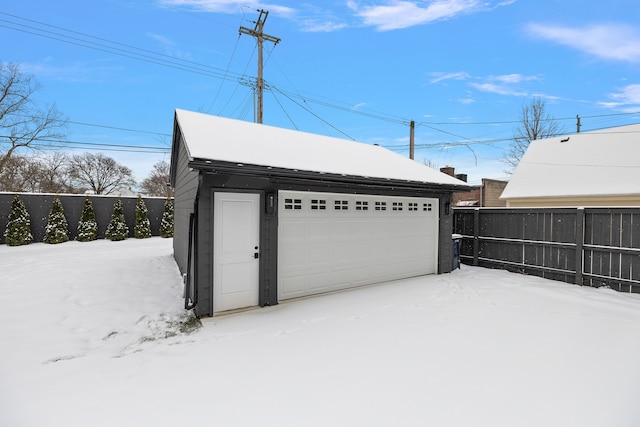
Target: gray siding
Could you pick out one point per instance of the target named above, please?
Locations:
(185, 184)
(204, 267)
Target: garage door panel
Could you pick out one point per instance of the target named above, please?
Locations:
(317, 230)
(295, 255)
(340, 230)
(364, 241)
(294, 285)
(318, 254)
(292, 231)
(318, 282)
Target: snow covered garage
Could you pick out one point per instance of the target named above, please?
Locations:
(265, 214)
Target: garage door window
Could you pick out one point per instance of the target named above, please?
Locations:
(341, 205)
(295, 204)
(318, 204)
(362, 205)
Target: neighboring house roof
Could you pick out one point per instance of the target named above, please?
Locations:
(246, 143)
(598, 163)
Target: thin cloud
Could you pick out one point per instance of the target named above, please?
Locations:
(169, 46)
(317, 20)
(398, 14)
(513, 84)
(166, 42)
(628, 99)
(618, 42)
(505, 84)
(317, 26)
(228, 6)
(499, 89)
(440, 77)
(77, 72)
(514, 78)
(466, 101)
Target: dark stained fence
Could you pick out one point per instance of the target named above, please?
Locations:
(39, 206)
(586, 246)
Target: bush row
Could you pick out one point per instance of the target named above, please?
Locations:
(18, 229)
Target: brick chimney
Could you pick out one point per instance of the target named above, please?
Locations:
(462, 176)
(451, 171)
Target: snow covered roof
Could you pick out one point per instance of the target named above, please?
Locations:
(216, 138)
(597, 163)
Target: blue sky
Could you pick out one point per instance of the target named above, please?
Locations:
(362, 70)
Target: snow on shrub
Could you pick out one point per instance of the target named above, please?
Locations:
(166, 225)
(57, 229)
(117, 228)
(87, 226)
(142, 229)
(18, 231)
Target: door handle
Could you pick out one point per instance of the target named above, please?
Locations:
(256, 255)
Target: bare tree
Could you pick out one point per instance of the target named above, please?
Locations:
(53, 176)
(156, 184)
(23, 123)
(430, 163)
(99, 173)
(20, 173)
(535, 123)
(46, 174)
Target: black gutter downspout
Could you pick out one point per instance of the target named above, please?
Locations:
(192, 252)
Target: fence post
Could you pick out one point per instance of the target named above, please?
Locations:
(579, 244)
(476, 233)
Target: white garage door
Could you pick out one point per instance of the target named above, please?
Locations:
(329, 241)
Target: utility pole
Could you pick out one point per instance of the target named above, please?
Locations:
(578, 123)
(261, 37)
(412, 129)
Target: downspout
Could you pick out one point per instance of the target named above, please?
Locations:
(190, 301)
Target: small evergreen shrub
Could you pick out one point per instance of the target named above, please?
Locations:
(166, 225)
(57, 229)
(87, 226)
(142, 229)
(18, 231)
(117, 228)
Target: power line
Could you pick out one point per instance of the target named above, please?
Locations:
(519, 121)
(158, 58)
(113, 47)
(126, 50)
(120, 128)
(315, 115)
(63, 143)
(101, 126)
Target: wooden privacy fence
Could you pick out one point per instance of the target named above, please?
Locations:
(587, 246)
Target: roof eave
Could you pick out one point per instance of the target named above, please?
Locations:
(213, 166)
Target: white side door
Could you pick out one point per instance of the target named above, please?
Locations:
(236, 250)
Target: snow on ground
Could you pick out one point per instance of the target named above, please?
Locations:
(95, 334)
